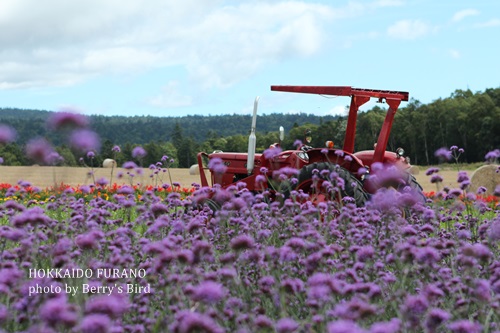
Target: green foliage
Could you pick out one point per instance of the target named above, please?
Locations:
(67, 155)
(12, 155)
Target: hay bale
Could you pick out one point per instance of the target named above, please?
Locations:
(486, 176)
(109, 163)
(194, 170)
(414, 170)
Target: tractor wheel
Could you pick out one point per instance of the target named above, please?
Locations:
(411, 181)
(312, 182)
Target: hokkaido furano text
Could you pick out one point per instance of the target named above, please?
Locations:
(75, 273)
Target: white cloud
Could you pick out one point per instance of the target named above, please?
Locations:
(408, 29)
(459, 16)
(455, 54)
(388, 3)
(338, 110)
(171, 97)
(489, 24)
(57, 42)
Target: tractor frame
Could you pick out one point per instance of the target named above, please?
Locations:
(245, 167)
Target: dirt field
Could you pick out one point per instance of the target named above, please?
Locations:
(44, 177)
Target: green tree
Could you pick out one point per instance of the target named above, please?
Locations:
(186, 153)
(67, 155)
(177, 135)
(368, 128)
(236, 143)
(333, 130)
(169, 150)
(13, 155)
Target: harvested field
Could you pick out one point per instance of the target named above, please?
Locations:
(44, 177)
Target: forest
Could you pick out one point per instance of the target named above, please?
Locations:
(469, 120)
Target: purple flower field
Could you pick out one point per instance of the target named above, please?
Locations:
(156, 263)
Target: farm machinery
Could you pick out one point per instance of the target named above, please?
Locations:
(311, 167)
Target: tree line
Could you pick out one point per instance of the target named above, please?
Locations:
(468, 120)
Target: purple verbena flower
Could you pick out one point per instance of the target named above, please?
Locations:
(217, 165)
(191, 321)
(242, 242)
(4, 314)
(129, 165)
(85, 189)
(286, 325)
(464, 326)
(427, 255)
(32, 216)
(7, 134)
(84, 140)
(443, 154)
(102, 181)
(354, 309)
(260, 179)
(263, 321)
(434, 318)
(66, 119)
(462, 177)
(89, 240)
(40, 151)
(414, 305)
(344, 326)
(13, 234)
(95, 323)
(208, 292)
(431, 171)
(54, 158)
(494, 230)
(139, 152)
(482, 290)
(492, 155)
(481, 190)
(478, 250)
(113, 306)
(292, 285)
(272, 152)
(436, 179)
(339, 152)
(365, 253)
(392, 326)
(56, 311)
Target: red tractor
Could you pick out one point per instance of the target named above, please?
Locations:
(313, 166)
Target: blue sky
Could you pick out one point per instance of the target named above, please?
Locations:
(211, 57)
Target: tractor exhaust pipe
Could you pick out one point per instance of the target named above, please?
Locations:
(252, 140)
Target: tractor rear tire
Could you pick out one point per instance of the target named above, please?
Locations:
(352, 186)
(411, 181)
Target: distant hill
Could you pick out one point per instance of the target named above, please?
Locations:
(143, 129)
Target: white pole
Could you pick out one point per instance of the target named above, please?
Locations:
(252, 140)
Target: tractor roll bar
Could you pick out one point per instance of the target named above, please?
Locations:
(359, 96)
(344, 91)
